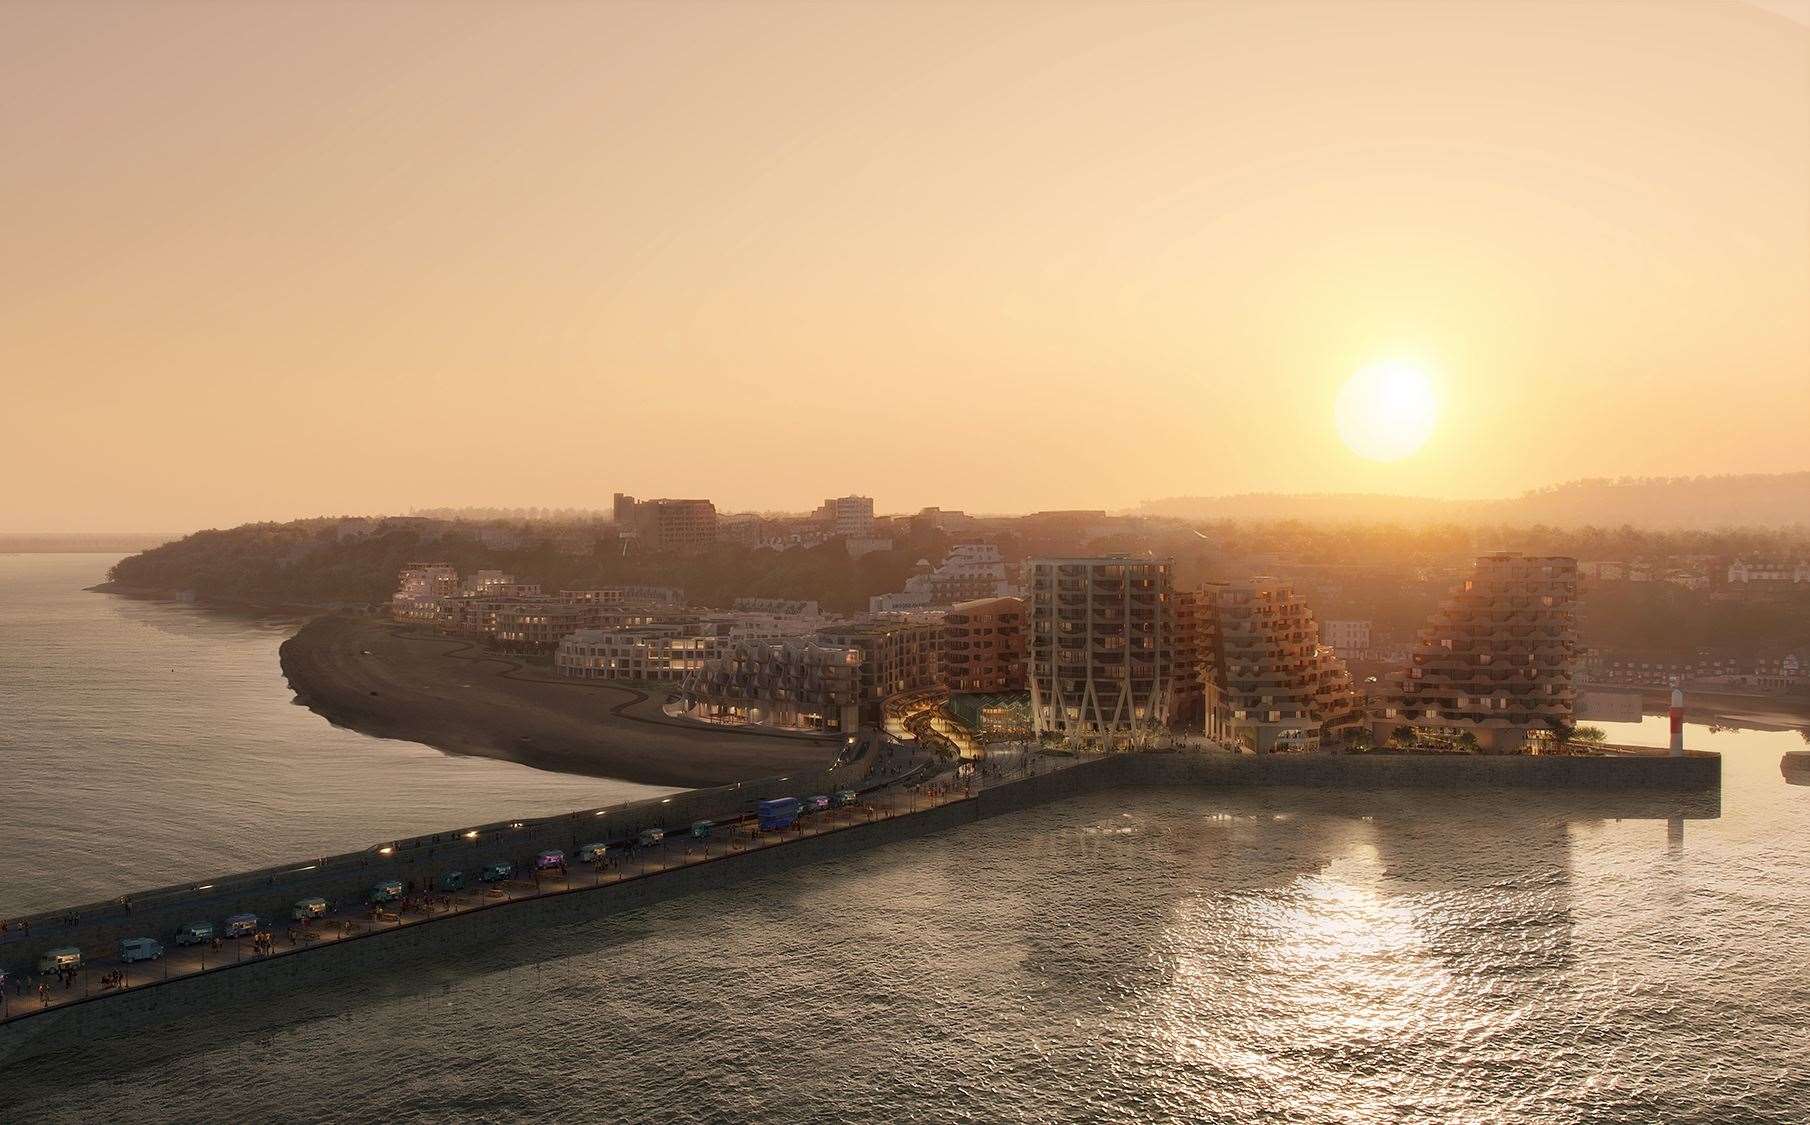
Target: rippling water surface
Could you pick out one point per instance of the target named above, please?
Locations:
(1135, 956)
(143, 743)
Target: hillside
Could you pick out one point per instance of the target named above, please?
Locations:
(1747, 500)
(308, 562)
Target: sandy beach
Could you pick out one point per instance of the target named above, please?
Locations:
(379, 679)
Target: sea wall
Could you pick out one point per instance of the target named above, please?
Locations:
(1623, 787)
(1633, 774)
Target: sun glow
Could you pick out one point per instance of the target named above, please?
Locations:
(1386, 411)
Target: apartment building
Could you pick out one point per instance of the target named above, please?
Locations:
(792, 682)
(1768, 570)
(1193, 653)
(659, 653)
(1102, 647)
(1346, 636)
(969, 572)
(498, 584)
(536, 624)
(1270, 682)
(983, 646)
(666, 525)
(1497, 658)
(896, 656)
(419, 589)
(664, 596)
(782, 607)
(848, 516)
(427, 580)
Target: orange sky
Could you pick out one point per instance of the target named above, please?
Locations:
(260, 261)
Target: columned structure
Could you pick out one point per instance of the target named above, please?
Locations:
(1102, 648)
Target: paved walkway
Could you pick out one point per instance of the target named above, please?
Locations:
(928, 786)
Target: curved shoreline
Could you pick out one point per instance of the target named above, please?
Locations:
(385, 681)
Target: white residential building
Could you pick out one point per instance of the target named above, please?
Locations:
(969, 572)
(1346, 636)
(1768, 570)
(648, 653)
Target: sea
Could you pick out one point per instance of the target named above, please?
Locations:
(1143, 955)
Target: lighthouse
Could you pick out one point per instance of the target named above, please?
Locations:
(1677, 715)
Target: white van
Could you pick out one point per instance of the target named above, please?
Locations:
(140, 949)
(308, 908)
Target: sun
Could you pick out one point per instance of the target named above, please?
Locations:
(1386, 411)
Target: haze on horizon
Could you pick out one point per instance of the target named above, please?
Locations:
(269, 261)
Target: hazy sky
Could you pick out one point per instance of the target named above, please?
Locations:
(264, 261)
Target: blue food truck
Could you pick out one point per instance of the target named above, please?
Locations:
(780, 812)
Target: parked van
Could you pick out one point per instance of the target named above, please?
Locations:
(496, 872)
(195, 933)
(387, 891)
(816, 804)
(593, 853)
(549, 861)
(241, 925)
(140, 949)
(306, 908)
(701, 829)
(63, 957)
(451, 881)
(648, 837)
(842, 798)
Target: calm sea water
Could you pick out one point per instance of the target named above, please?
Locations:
(143, 743)
(1136, 956)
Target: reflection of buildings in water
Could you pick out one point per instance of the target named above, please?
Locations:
(1795, 765)
(1373, 920)
(1487, 881)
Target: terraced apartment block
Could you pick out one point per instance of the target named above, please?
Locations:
(1497, 659)
(1270, 683)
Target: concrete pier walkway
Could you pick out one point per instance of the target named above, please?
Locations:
(924, 784)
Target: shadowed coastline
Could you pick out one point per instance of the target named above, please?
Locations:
(384, 681)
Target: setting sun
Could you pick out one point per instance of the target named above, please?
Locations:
(1386, 411)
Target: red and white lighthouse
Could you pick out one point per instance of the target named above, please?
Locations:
(1677, 716)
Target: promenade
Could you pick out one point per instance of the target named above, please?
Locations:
(919, 784)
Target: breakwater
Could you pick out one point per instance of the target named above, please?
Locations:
(1579, 787)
